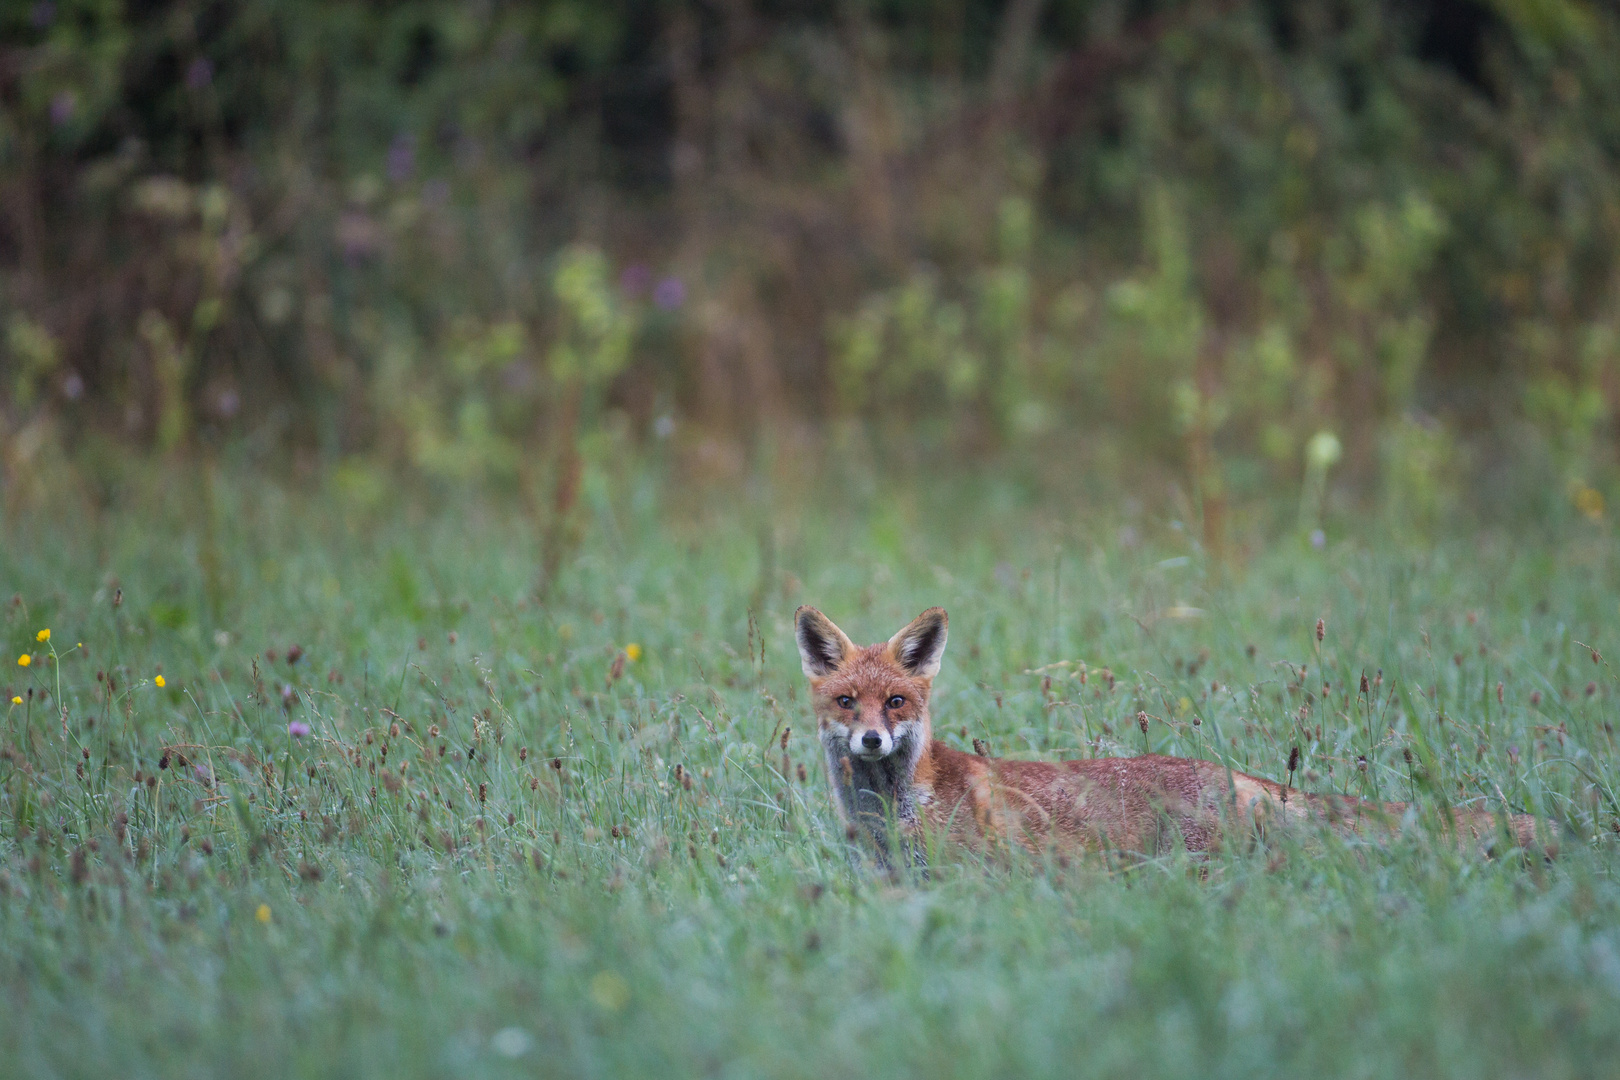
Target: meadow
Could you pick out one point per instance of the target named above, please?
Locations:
(301, 786)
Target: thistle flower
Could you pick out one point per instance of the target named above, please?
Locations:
(297, 729)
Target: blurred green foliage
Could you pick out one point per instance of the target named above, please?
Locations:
(479, 240)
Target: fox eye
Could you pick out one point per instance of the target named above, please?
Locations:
(896, 701)
(845, 701)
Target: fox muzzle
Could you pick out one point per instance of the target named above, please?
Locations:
(871, 744)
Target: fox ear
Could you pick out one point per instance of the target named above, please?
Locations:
(822, 646)
(920, 645)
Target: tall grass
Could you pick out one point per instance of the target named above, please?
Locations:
(572, 837)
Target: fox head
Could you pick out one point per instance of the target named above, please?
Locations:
(871, 702)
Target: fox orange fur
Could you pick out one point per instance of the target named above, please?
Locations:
(883, 763)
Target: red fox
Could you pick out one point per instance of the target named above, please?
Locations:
(871, 705)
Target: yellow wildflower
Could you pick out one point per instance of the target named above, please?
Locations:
(160, 682)
(24, 660)
(43, 635)
(633, 651)
(263, 914)
(1589, 501)
(16, 700)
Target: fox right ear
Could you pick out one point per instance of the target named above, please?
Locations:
(920, 644)
(822, 646)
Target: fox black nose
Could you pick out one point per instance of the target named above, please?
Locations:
(871, 740)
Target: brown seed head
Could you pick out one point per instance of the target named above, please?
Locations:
(787, 731)
(1364, 682)
(1293, 759)
(1142, 721)
(1321, 631)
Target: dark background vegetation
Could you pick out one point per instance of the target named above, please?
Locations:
(502, 243)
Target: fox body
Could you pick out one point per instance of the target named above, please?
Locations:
(887, 770)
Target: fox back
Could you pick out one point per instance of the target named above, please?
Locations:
(887, 771)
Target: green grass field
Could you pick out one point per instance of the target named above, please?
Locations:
(513, 844)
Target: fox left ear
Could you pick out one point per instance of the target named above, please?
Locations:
(920, 645)
(823, 647)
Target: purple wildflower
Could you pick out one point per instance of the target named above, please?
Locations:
(635, 279)
(297, 729)
(401, 159)
(63, 106)
(670, 294)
